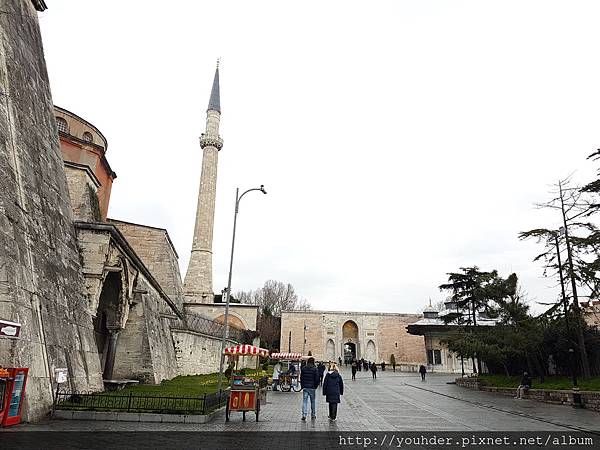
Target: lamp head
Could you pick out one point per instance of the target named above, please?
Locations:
(262, 189)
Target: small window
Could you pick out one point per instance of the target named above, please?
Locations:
(434, 357)
(62, 125)
(87, 137)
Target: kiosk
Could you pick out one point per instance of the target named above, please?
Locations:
(12, 389)
(246, 392)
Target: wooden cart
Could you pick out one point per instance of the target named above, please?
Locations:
(288, 381)
(246, 392)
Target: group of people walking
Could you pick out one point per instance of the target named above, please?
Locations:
(361, 364)
(314, 375)
(311, 377)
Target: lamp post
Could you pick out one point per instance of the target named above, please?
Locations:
(576, 395)
(238, 198)
(304, 344)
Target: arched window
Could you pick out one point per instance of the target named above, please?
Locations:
(350, 330)
(62, 125)
(87, 137)
(330, 350)
(371, 353)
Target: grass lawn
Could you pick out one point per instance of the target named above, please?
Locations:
(183, 386)
(190, 391)
(592, 384)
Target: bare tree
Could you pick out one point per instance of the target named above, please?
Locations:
(271, 299)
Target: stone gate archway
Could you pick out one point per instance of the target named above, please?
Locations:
(350, 343)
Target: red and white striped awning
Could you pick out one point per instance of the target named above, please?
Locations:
(246, 350)
(290, 356)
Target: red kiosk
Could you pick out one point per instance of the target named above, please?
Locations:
(12, 392)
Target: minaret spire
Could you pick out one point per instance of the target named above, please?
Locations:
(215, 97)
(197, 287)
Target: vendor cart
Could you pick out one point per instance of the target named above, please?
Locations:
(289, 379)
(246, 392)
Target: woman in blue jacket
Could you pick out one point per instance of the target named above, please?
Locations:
(333, 387)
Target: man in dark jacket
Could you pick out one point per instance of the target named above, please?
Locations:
(333, 387)
(321, 370)
(374, 370)
(309, 380)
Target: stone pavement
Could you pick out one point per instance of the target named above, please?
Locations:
(395, 401)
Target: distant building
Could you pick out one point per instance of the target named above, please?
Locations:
(434, 327)
(333, 335)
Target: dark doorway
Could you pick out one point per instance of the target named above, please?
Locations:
(349, 352)
(106, 316)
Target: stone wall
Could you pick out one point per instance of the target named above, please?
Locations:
(145, 345)
(196, 353)
(155, 249)
(379, 335)
(590, 399)
(41, 285)
(83, 192)
(145, 348)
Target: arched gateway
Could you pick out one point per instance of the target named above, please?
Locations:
(350, 341)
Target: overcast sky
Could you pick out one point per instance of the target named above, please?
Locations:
(397, 140)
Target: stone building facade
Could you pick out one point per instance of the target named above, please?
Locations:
(333, 335)
(102, 298)
(42, 286)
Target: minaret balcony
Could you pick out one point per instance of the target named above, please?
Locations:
(211, 141)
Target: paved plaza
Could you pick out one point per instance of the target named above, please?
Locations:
(395, 401)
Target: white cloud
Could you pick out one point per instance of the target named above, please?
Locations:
(398, 140)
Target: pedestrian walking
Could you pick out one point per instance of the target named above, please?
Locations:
(309, 380)
(333, 388)
(374, 370)
(321, 370)
(422, 371)
(394, 365)
(365, 365)
(383, 366)
(354, 370)
(340, 360)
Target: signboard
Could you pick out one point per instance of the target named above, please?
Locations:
(60, 375)
(9, 329)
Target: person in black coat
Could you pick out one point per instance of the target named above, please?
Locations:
(354, 370)
(333, 387)
(422, 371)
(321, 369)
(374, 370)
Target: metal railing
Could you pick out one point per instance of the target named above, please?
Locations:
(130, 402)
(194, 322)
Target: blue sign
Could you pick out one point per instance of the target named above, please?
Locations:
(15, 399)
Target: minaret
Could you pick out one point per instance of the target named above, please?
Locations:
(197, 287)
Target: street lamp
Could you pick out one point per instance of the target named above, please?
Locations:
(238, 198)
(304, 345)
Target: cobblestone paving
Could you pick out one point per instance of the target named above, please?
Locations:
(395, 401)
